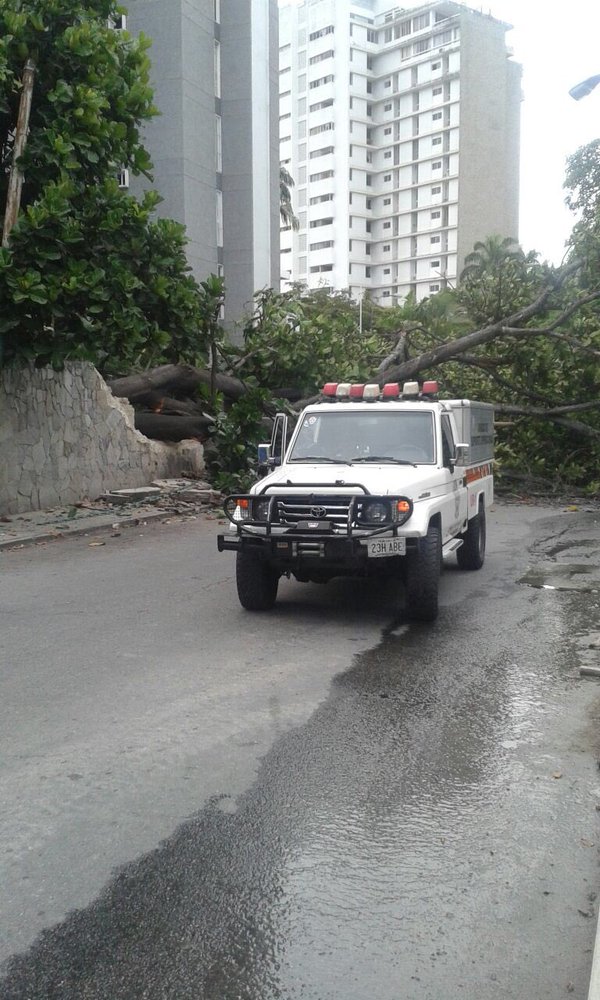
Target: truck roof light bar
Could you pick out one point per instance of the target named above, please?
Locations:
(430, 389)
(356, 391)
(330, 389)
(410, 390)
(371, 392)
(343, 390)
(391, 390)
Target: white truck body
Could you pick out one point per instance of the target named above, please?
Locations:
(366, 488)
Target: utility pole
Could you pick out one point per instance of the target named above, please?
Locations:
(15, 180)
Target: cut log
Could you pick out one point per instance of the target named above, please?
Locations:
(164, 427)
(157, 403)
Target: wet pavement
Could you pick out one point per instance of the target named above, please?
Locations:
(431, 830)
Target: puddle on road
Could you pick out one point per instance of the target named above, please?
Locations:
(562, 576)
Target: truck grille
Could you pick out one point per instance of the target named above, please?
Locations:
(321, 508)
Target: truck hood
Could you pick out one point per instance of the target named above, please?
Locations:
(418, 483)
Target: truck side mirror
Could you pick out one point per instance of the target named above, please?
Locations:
(462, 454)
(264, 459)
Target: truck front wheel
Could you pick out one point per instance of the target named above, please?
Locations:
(472, 551)
(423, 577)
(256, 582)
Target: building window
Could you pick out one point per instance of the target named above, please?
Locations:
(371, 35)
(387, 177)
(436, 141)
(434, 288)
(367, 272)
(321, 104)
(118, 22)
(218, 144)
(387, 225)
(321, 81)
(319, 268)
(322, 176)
(123, 179)
(420, 22)
(286, 69)
(387, 107)
(301, 175)
(436, 165)
(321, 32)
(436, 91)
(436, 215)
(387, 155)
(217, 69)
(327, 127)
(435, 239)
(436, 190)
(435, 263)
(387, 270)
(321, 198)
(386, 293)
(302, 151)
(387, 83)
(387, 247)
(302, 265)
(387, 201)
(316, 223)
(323, 151)
(387, 131)
(323, 245)
(284, 138)
(284, 93)
(435, 65)
(219, 209)
(437, 116)
(302, 243)
(320, 57)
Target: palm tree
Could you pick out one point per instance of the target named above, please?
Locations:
(286, 212)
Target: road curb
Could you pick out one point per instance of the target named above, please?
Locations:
(594, 989)
(105, 523)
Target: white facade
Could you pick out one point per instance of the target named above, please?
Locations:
(401, 131)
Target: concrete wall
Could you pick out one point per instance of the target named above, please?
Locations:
(64, 437)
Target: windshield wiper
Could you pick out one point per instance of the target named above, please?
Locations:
(321, 458)
(383, 458)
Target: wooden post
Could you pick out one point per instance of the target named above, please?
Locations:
(15, 180)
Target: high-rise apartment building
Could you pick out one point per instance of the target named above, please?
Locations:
(215, 144)
(400, 128)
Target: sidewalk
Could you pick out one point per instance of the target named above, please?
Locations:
(160, 501)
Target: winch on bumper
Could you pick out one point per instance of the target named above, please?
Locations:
(333, 530)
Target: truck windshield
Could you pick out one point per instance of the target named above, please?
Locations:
(350, 436)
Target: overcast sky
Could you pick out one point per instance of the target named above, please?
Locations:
(558, 46)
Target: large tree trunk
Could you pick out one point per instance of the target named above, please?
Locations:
(174, 380)
(162, 427)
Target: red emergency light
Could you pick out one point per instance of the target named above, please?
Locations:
(330, 389)
(391, 390)
(430, 389)
(357, 390)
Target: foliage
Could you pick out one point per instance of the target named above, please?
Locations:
(87, 273)
(286, 212)
(498, 279)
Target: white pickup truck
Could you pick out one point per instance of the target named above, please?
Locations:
(375, 481)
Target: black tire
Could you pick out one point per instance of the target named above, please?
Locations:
(257, 582)
(471, 554)
(422, 577)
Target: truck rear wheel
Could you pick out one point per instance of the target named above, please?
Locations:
(423, 577)
(471, 554)
(257, 582)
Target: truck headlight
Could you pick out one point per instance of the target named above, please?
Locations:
(260, 510)
(376, 512)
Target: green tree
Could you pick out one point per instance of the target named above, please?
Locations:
(88, 272)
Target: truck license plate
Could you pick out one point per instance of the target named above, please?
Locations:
(378, 547)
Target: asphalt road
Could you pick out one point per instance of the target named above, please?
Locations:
(321, 802)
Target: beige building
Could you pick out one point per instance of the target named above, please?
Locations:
(400, 128)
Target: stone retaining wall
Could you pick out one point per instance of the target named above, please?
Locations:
(65, 437)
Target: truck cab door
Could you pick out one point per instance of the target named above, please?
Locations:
(454, 511)
(279, 439)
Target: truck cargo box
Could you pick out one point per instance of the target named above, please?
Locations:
(475, 427)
